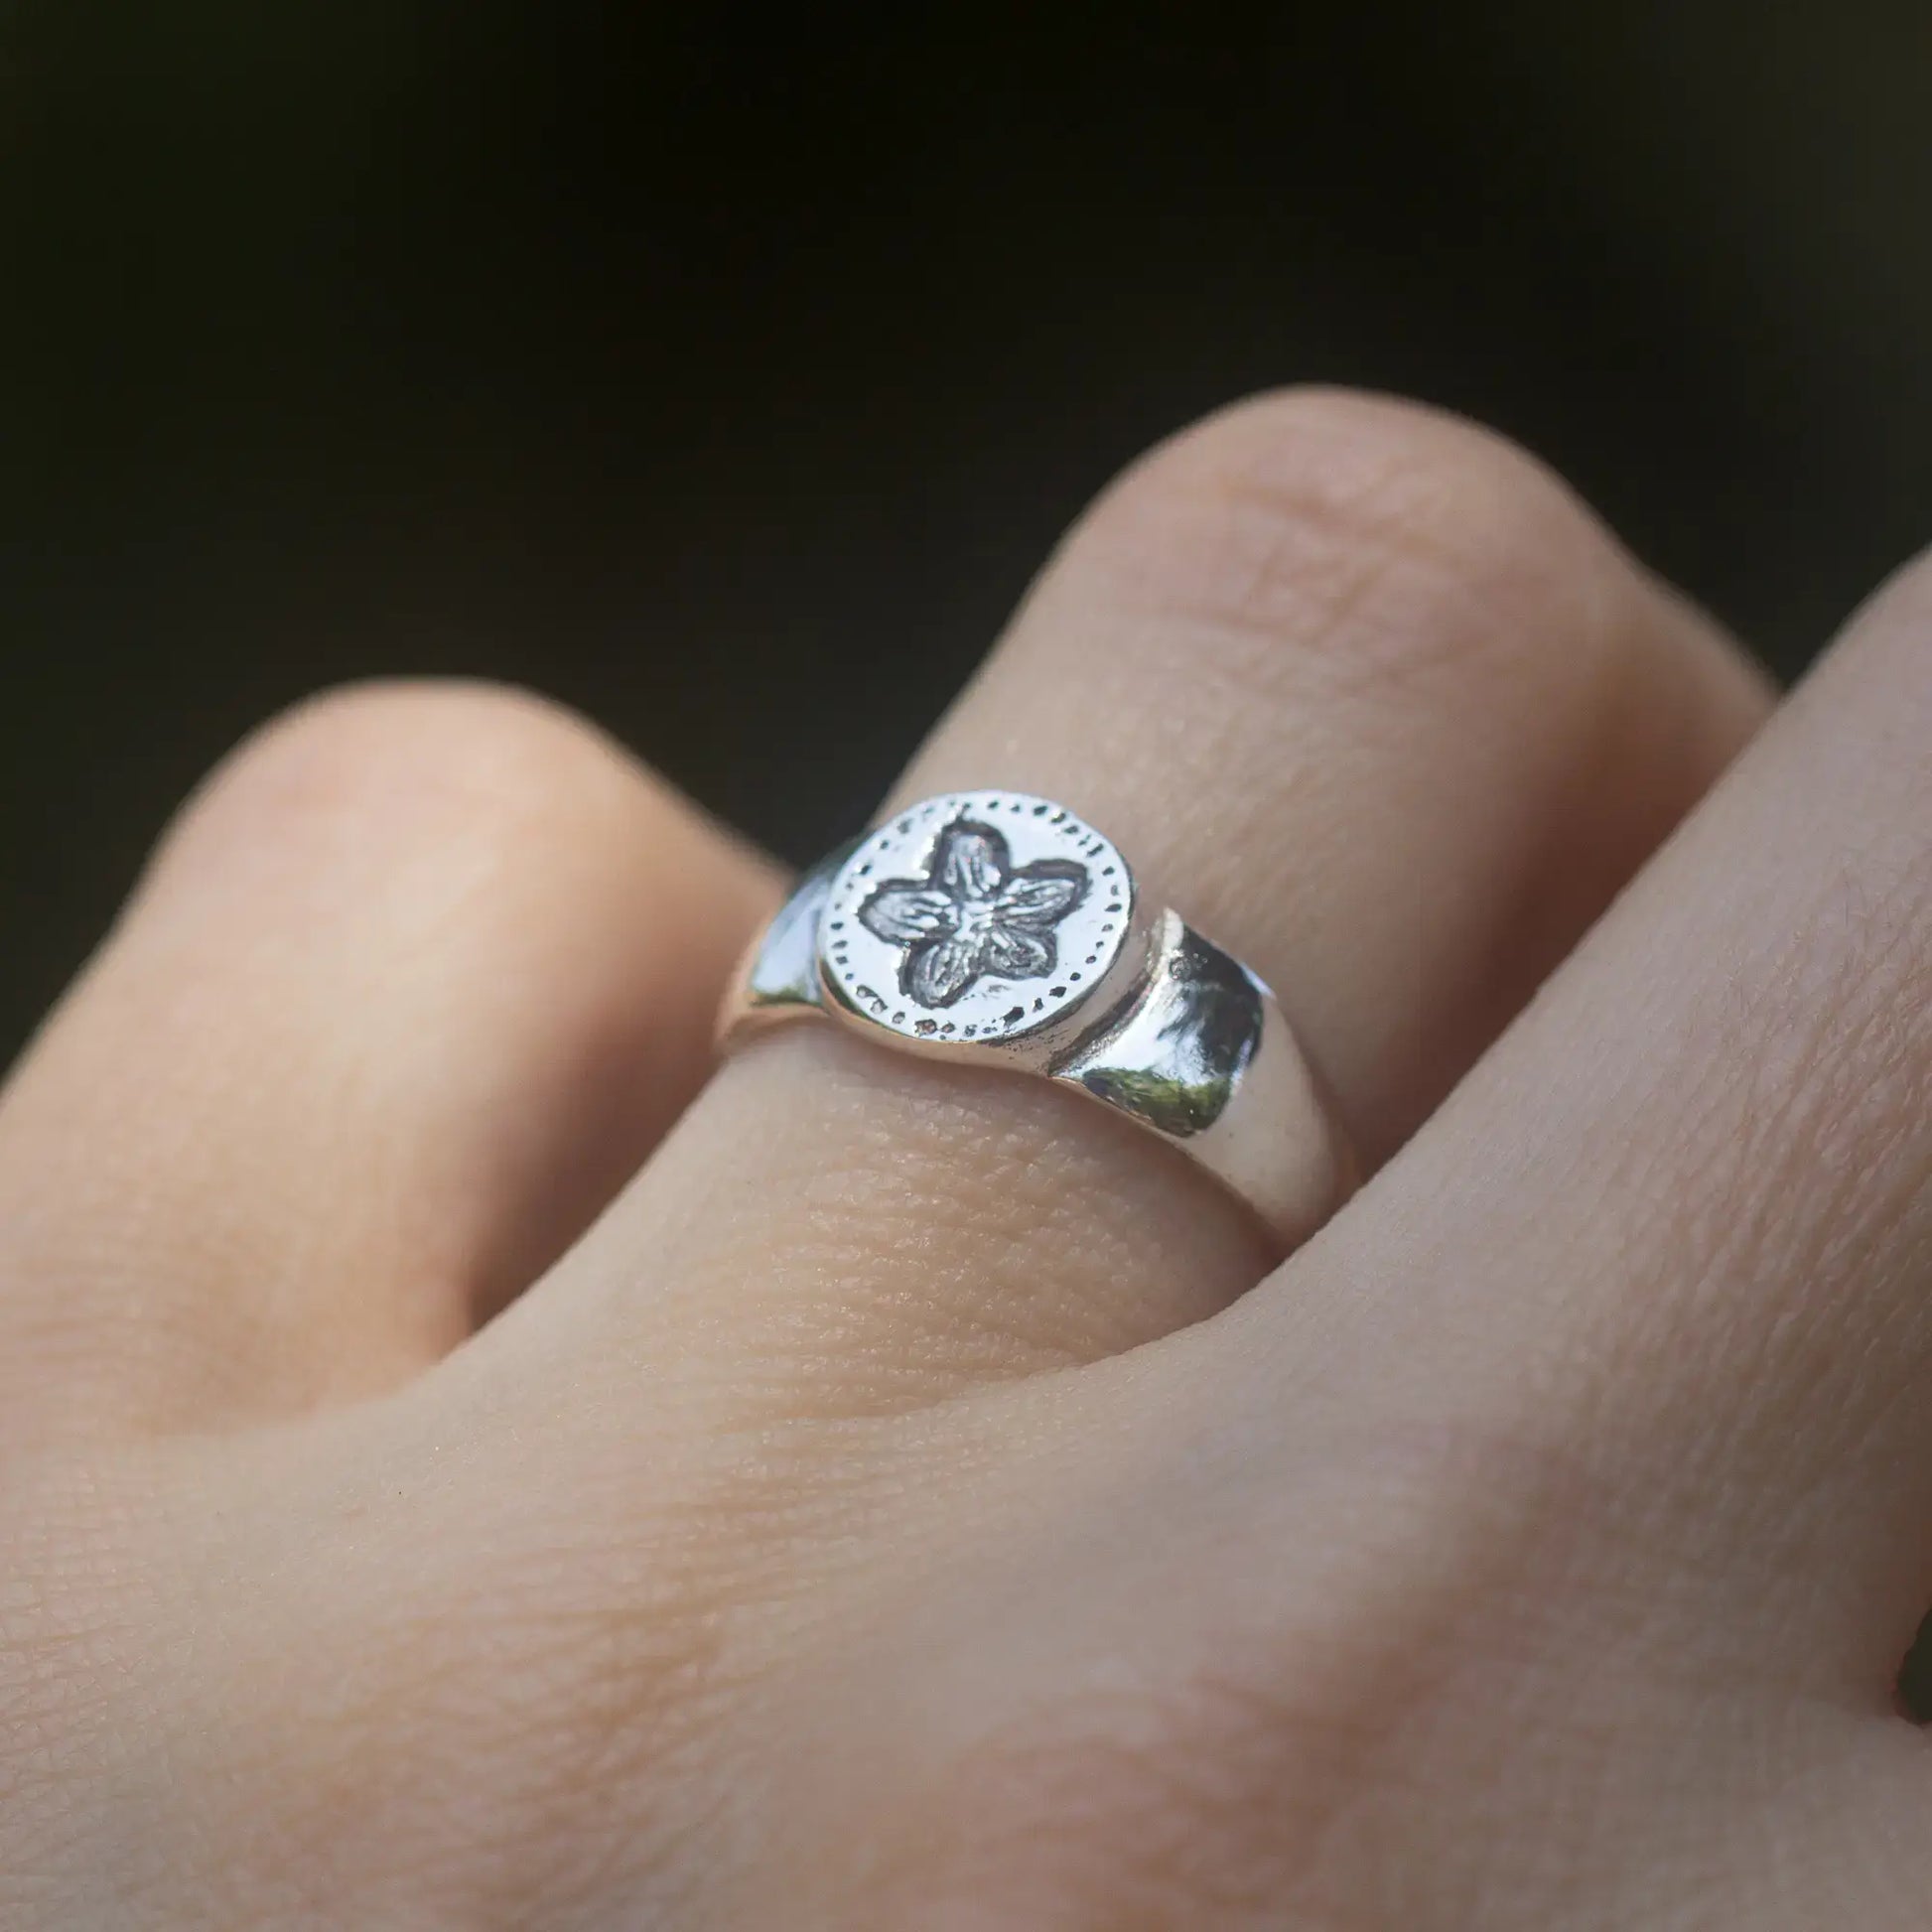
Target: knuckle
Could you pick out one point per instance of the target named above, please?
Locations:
(1374, 541)
(372, 765)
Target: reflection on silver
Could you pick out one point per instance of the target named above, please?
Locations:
(779, 977)
(1173, 1056)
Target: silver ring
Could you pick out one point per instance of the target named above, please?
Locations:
(994, 927)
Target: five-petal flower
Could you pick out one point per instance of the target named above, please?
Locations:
(974, 912)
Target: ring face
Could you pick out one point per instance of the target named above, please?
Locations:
(977, 917)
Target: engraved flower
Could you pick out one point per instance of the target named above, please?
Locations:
(974, 912)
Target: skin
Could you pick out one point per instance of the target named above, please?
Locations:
(459, 1469)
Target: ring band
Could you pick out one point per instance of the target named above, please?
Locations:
(999, 929)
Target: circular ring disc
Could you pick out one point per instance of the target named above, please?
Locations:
(975, 916)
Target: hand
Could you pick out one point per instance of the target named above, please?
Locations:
(913, 1503)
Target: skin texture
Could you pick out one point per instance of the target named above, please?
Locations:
(456, 1473)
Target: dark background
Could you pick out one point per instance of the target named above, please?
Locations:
(688, 367)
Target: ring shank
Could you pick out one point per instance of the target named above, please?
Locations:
(1199, 1052)
(1204, 1056)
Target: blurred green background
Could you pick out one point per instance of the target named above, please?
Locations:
(708, 371)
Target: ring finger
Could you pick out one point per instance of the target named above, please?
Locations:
(1381, 710)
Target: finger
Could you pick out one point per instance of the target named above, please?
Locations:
(1380, 709)
(1697, 1181)
(413, 985)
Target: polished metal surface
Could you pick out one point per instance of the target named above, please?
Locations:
(994, 926)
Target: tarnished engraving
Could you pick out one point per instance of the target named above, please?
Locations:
(974, 912)
(978, 918)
